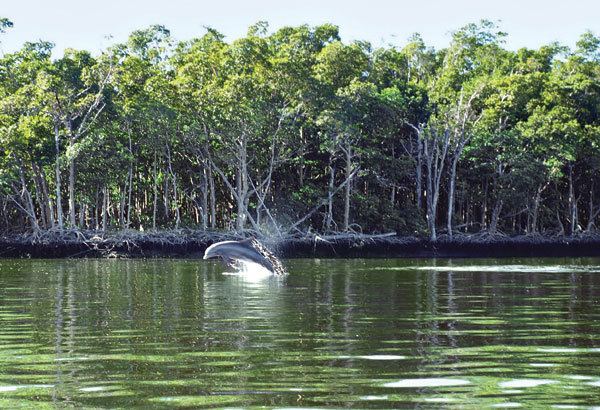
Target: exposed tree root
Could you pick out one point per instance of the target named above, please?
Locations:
(192, 243)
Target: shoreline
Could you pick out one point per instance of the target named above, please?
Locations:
(191, 244)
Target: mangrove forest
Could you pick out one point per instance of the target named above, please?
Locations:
(295, 131)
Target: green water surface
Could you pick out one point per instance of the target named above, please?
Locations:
(332, 334)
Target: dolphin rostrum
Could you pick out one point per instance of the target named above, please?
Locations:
(249, 250)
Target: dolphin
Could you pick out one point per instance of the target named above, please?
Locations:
(232, 251)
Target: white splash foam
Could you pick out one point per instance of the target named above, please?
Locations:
(579, 377)
(524, 383)
(382, 357)
(432, 382)
(250, 271)
(559, 350)
(382, 397)
(374, 357)
(25, 386)
(91, 389)
(71, 359)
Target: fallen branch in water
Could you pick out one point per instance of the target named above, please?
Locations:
(344, 236)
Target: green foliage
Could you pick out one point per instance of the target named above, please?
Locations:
(270, 123)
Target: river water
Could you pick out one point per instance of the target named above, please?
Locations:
(396, 333)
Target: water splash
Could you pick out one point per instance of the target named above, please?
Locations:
(25, 386)
(429, 382)
(250, 271)
(523, 383)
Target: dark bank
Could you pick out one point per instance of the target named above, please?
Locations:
(192, 244)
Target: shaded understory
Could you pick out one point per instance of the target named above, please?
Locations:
(191, 244)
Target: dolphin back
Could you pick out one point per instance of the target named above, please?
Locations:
(249, 250)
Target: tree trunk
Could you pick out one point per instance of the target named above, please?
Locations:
(59, 212)
(451, 190)
(434, 151)
(82, 211)
(431, 211)
(467, 217)
(258, 217)
(536, 205)
(495, 216)
(39, 195)
(129, 183)
(166, 194)
(104, 208)
(262, 189)
(175, 196)
(49, 206)
(72, 219)
(592, 213)
(301, 165)
(213, 200)
(204, 196)
(242, 184)
(561, 227)
(96, 210)
(239, 221)
(27, 199)
(176, 202)
(572, 204)
(155, 202)
(430, 196)
(240, 187)
(122, 199)
(419, 172)
(484, 205)
(435, 157)
(431, 206)
(322, 202)
(329, 217)
(348, 152)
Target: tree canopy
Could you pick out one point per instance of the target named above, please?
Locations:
(296, 130)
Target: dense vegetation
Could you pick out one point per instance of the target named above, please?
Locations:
(296, 131)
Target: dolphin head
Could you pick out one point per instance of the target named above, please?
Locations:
(216, 250)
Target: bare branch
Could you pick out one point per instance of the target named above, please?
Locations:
(324, 201)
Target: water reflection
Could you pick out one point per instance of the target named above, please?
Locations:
(354, 333)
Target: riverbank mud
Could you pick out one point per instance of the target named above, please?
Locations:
(191, 244)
